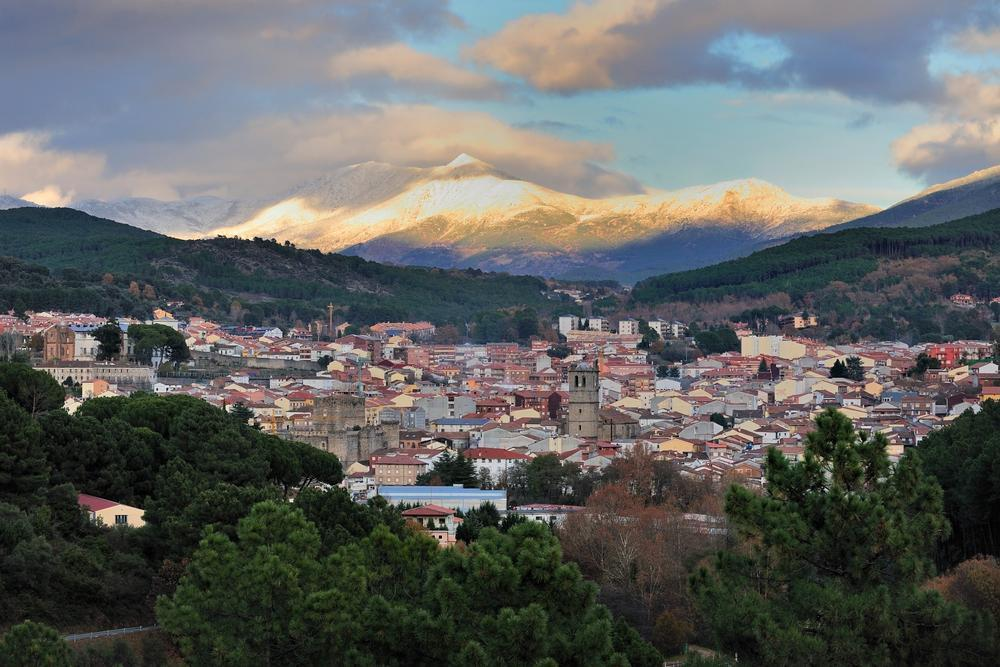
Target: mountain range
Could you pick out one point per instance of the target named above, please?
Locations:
(884, 283)
(470, 214)
(958, 198)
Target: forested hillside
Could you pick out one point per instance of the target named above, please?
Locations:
(870, 282)
(268, 282)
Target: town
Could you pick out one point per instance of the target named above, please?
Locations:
(390, 401)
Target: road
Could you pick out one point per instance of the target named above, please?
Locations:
(109, 633)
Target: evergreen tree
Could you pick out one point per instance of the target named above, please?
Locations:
(854, 369)
(109, 341)
(450, 469)
(34, 391)
(244, 602)
(34, 644)
(838, 370)
(158, 342)
(835, 551)
(242, 414)
(24, 472)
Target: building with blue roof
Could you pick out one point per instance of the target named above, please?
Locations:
(452, 497)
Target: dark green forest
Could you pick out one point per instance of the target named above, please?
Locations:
(69, 259)
(866, 282)
(235, 573)
(811, 262)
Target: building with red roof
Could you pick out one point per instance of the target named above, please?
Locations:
(440, 522)
(111, 512)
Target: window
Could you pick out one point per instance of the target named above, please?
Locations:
(121, 519)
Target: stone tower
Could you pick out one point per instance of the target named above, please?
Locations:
(583, 417)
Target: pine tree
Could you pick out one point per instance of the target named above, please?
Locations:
(854, 369)
(109, 341)
(834, 555)
(34, 644)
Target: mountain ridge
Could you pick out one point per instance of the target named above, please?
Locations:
(885, 283)
(269, 282)
(470, 214)
(967, 195)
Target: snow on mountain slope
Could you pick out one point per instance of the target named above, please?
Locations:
(186, 218)
(470, 213)
(7, 201)
(471, 201)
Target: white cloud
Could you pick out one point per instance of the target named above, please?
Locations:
(295, 148)
(964, 135)
(50, 195)
(404, 66)
(32, 168)
(978, 40)
(938, 152)
(273, 153)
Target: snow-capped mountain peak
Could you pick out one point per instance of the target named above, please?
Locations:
(470, 213)
(464, 159)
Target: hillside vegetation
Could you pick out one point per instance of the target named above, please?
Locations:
(870, 282)
(69, 259)
(237, 574)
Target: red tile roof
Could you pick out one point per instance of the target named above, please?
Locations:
(95, 504)
(428, 510)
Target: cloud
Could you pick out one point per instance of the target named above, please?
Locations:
(404, 66)
(938, 152)
(50, 195)
(115, 71)
(33, 169)
(302, 147)
(271, 154)
(963, 137)
(547, 125)
(861, 121)
(978, 40)
(866, 50)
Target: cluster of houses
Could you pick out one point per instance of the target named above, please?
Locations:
(391, 401)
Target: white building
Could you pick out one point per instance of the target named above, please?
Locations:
(568, 323)
(495, 460)
(668, 329)
(598, 324)
(629, 327)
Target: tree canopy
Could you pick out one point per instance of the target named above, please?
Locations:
(450, 469)
(245, 576)
(835, 552)
(273, 593)
(158, 343)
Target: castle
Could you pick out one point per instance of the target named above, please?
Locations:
(338, 426)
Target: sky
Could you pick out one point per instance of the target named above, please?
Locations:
(864, 100)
